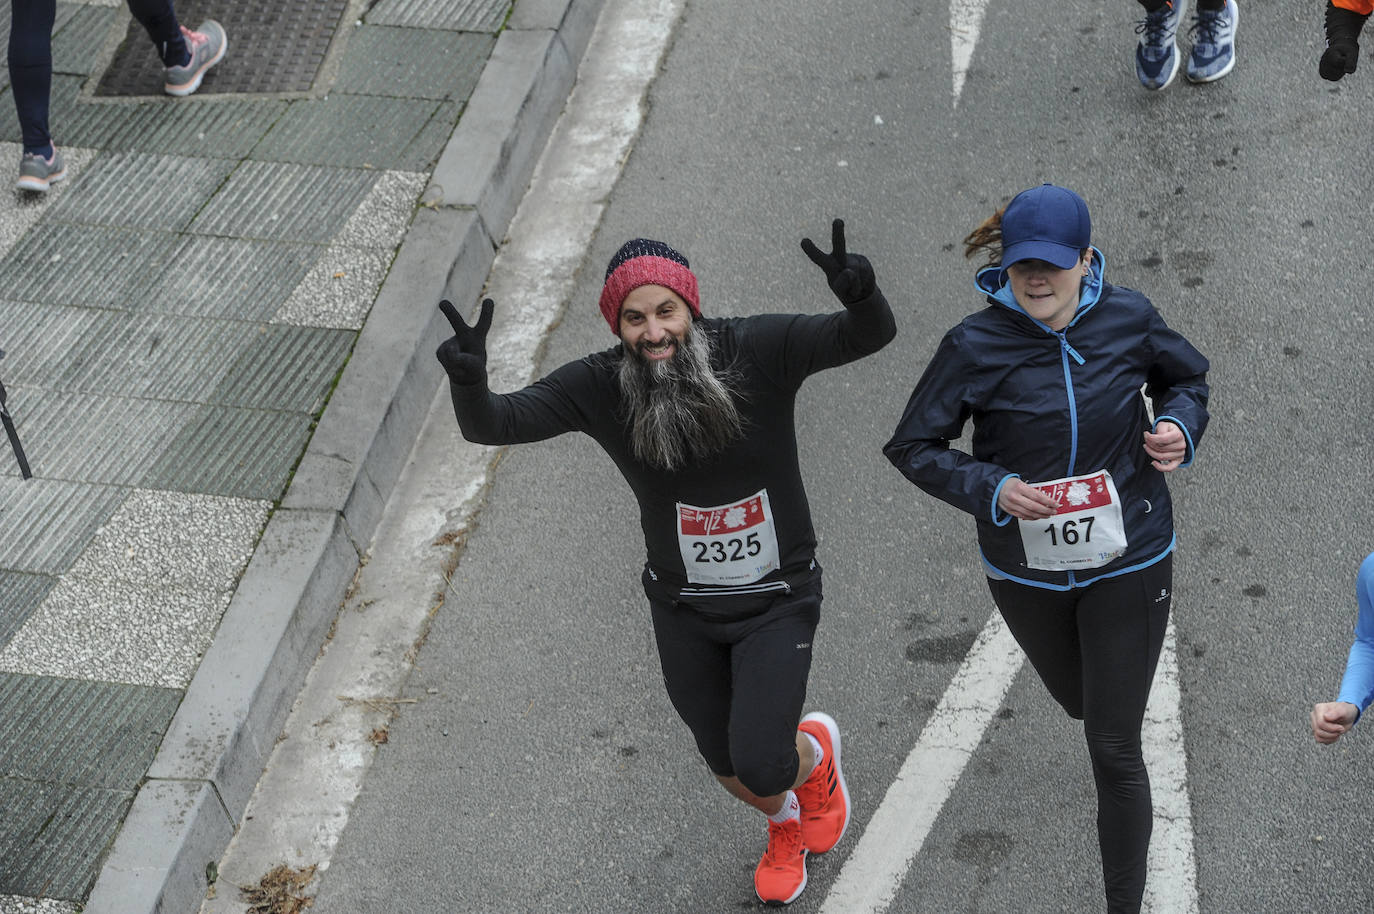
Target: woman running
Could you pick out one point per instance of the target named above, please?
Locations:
(1066, 481)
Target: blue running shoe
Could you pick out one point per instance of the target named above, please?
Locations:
(1156, 53)
(1214, 44)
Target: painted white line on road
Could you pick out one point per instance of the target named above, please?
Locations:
(965, 19)
(1171, 883)
(874, 871)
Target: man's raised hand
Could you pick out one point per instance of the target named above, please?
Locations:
(464, 355)
(850, 275)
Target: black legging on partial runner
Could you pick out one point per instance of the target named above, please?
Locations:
(1096, 649)
(30, 56)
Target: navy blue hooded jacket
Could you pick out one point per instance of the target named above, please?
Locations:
(1047, 404)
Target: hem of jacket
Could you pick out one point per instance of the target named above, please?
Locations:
(1073, 582)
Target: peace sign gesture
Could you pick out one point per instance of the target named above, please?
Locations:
(464, 355)
(850, 275)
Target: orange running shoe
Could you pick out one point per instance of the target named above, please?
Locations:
(781, 874)
(824, 797)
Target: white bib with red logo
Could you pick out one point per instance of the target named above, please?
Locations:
(728, 544)
(1086, 531)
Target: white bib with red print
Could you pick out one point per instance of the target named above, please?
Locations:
(1086, 531)
(728, 544)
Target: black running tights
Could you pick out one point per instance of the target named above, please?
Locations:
(1096, 649)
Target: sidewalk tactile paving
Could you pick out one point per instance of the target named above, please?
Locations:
(283, 368)
(360, 131)
(229, 451)
(226, 128)
(425, 148)
(38, 340)
(156, 192)
(413, 63)
(81, 265)
(105, 440)
(141, 602)
(467, 15)
(86, 734)
(154, 355)
(77, 28)
(52, 836)
(274, 46)
(46, 523)
(226, 277)
(283, 201)
(21, 594)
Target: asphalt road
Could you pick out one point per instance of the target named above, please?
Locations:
(543, 768)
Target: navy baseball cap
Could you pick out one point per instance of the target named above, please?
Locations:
(1048, 223)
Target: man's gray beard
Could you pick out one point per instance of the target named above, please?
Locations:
(679, 409)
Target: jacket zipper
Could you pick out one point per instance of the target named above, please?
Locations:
(1067, 352)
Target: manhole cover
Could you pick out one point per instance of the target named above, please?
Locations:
(274, 46)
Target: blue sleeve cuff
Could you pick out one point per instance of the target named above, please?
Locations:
(1005, 518)
(1187, 438)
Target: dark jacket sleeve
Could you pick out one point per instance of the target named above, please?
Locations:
(941, 404)
(548, 407)
(789, 347)
(1177, 382)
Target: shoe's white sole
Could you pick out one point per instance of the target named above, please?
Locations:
(38, 185)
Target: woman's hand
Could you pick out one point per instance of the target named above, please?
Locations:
(1025, 502)
(1331, 719)
(1166, 446)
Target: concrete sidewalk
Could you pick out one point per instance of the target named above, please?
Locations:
(219, 336)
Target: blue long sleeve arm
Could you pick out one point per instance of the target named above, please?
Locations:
(1357, 686)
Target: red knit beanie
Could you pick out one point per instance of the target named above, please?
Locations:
(642, 262)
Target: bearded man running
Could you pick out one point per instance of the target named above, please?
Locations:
(697, 413)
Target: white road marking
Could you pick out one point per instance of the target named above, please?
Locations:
(1171, 883)
(874, 871)
(965, 19)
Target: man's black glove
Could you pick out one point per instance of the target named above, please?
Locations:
(1342, 42)
(464, 355)
(850, 275)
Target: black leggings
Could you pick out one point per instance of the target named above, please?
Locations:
(30, 56)
(740, 686)
(1096, 649)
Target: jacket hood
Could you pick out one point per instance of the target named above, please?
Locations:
(991, 281)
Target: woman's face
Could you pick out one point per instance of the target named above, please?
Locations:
(1045, 292)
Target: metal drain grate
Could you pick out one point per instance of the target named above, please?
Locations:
(274, 46)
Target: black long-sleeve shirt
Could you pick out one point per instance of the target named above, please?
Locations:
(769, 356)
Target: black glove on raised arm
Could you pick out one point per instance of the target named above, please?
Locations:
(1342, 42)
(464, 355)
(850, 275)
